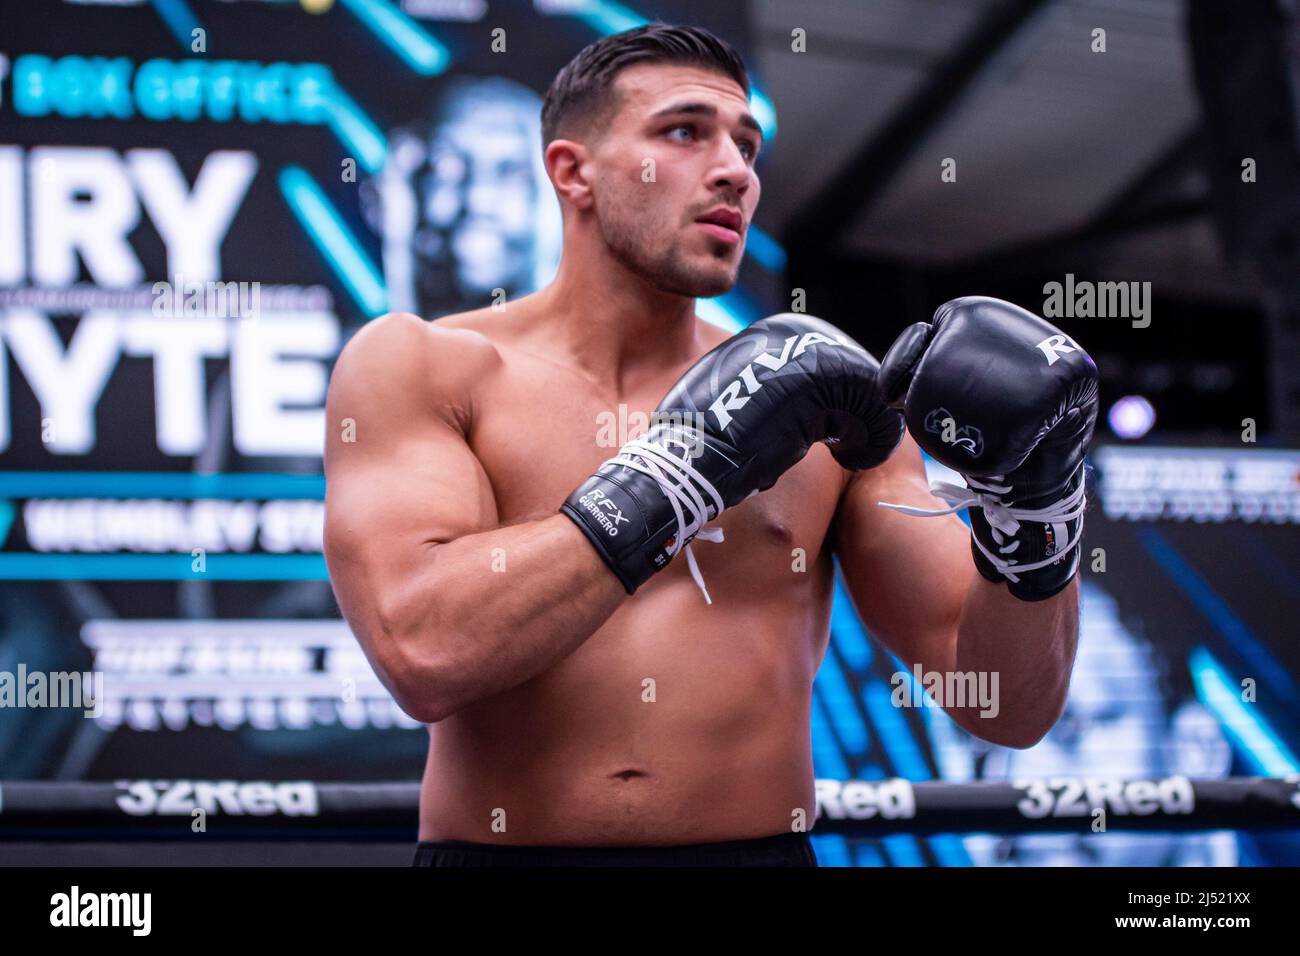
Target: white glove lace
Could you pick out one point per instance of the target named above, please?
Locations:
(682, 485)
(1004, 520)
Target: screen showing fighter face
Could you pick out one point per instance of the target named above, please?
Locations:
(463, 205)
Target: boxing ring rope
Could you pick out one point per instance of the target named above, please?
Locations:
(387, 812)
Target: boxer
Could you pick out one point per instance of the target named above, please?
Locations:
(592, 695)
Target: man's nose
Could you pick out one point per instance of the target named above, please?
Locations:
(732, 170)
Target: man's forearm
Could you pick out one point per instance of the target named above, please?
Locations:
(1025, 650)
(495, 609)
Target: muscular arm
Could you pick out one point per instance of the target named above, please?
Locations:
(917, 590)
(412, 532)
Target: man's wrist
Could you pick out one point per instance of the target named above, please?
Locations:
(1037, 553)
(615, 518)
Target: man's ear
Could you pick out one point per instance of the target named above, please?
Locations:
(564, 161)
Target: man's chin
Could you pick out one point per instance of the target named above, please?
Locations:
(711, 292)
(705, 285)
(697, 280)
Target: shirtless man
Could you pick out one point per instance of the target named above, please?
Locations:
(586, 701)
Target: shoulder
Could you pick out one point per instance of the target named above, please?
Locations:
(399, 360)
(401, 340)
(403, 345)
(901, 479)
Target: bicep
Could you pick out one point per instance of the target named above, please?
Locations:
(400, 477)
(908, 576)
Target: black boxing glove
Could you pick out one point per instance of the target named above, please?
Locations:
(731, 426)
(1008, 401)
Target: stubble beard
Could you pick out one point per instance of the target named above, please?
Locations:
(632, 241)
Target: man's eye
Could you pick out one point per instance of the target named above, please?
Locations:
(748, 148)
(687, 128)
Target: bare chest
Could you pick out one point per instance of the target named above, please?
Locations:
(539, 433)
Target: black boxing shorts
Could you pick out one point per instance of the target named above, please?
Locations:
(786, 849)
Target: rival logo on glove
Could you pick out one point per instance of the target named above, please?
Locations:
(1054, 346)
(968, 437)
(731, 399)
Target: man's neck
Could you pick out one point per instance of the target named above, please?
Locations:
(615, 326)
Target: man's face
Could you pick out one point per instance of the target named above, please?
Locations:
(679, 150)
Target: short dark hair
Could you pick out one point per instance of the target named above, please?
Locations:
(583, 90)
